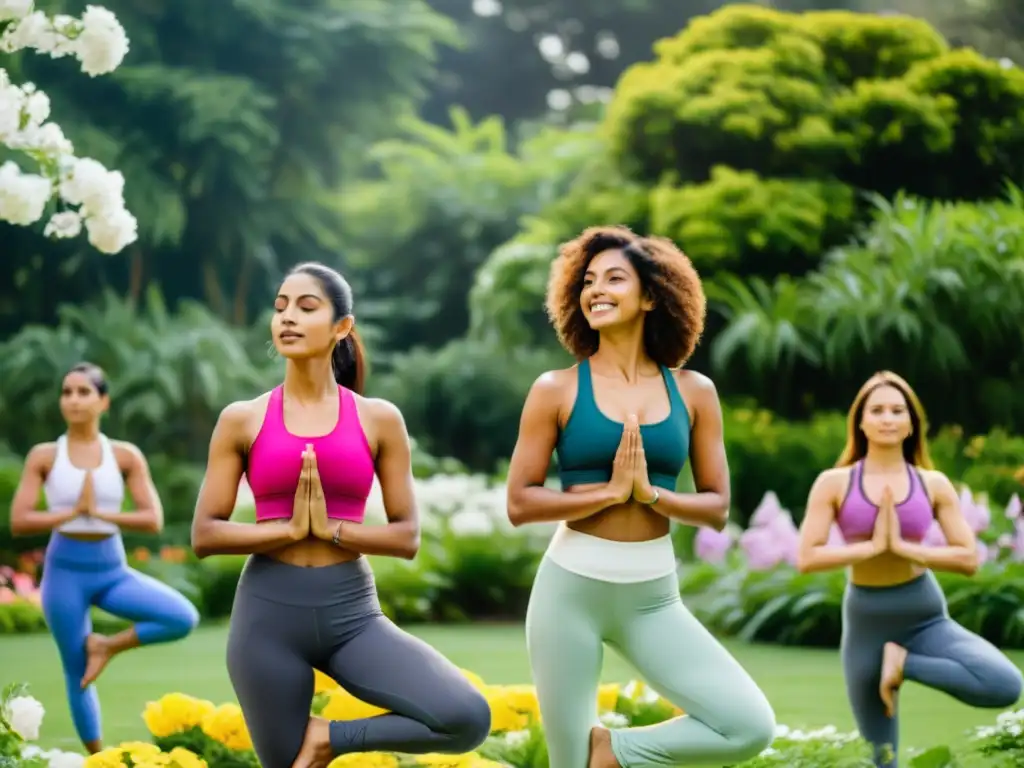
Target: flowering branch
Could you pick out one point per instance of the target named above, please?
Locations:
(99, 43)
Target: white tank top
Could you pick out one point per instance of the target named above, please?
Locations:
(63, 487)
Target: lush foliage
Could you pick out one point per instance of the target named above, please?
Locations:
(747, 585)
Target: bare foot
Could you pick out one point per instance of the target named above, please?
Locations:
(97, 656)
(601, 755)
(315, 751)
(893, 659)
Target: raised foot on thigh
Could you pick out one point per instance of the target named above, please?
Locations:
(315, 751)
(893, 659)
(98, 654)
(601, 755)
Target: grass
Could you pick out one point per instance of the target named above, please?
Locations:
(804, 685)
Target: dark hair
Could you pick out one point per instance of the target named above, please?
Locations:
(675, 324)
(348, 358)
(95, 375)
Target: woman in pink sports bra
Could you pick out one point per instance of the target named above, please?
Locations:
(896, 625)
(306, 600)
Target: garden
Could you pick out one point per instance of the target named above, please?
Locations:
(847, 182)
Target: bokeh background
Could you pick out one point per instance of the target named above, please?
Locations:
(848, 178)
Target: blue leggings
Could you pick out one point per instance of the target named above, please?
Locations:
(79, 574)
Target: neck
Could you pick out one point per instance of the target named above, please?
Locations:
(622, 350)
(883, 457)
(84, 432)
(310, 380)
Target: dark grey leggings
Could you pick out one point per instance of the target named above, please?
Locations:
(941, 654)
(288, 620)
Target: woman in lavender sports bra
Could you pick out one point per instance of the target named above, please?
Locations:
(306, 599)
(896, 625)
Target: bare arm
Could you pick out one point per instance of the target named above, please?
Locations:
(961, 553)
(528, 500)
(709, 506)
(814, 553)
(148, 515)
(213, 533)
(25, 519)
(400, 536)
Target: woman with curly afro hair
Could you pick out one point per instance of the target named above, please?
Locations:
(623, 423)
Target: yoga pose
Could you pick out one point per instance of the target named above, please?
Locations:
(306, 599)
(83, 476)
(623, 422)
(896, 625)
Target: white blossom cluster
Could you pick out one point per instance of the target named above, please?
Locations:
(99, 42)
(1007, 724)
(24, 715)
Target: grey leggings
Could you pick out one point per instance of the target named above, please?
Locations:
(941, 654)
(570, 617)
(288, 620)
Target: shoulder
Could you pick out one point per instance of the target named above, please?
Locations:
(240, 419)
(936, 483)
(387, 418)
(695, 384)
(41, 456)
(833, 480)
(127, 454)
(550, 386)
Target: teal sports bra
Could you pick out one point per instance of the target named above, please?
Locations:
(587, 444)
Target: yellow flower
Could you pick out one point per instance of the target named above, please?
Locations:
(174, 713)
(184, 758)
(226, 725)
(365, 760)
(342, 705)
(513, 707)
(468, 760)
(139, 750)
(112, 757)
(607, 697)
(322, 682)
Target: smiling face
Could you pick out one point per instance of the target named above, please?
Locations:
(886, 419)
(81, 403)
(612, 292)
(303, 323)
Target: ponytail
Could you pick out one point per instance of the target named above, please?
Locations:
(349, 362)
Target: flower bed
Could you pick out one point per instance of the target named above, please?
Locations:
(188, 732)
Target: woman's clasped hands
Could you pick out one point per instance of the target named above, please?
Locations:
(887, 536)
(309, 512)
(629, 478)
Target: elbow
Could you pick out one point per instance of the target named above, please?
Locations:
(971, 563)
(410, 547)
(719, 513)
(515, 511)
(155, 525)
(18, 527)
(200, 541)
(804, 562)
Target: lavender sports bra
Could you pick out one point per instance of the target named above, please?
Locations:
(857, 513)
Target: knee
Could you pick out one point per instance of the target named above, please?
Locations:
(755, 733)
(180, 622)
(468, 721)
(1004, 686)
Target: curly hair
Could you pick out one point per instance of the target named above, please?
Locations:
(675, 324)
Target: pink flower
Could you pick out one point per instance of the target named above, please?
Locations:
(711, 546)
(1013, 509)
(767, 510)
(7, 595)
(771, 541)
(23, 584)
(976, 513)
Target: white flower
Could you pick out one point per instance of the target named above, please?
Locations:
(89, 184)
(471, 522)
(614, 720)
(14, 9)
(516, 738)
(55, 758)
(25, 715)
(102, 44)
(112, 230)
(63, 225)
(23, 196)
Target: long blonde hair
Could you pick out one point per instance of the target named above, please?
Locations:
(915, 446)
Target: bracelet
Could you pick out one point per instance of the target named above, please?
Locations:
(336, 538)
(652, 502)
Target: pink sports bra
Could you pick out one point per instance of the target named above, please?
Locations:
(857, 514)
(343, 458)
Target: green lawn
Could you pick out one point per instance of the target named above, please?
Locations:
(804, 685)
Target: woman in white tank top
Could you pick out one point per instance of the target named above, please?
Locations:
(83, 477)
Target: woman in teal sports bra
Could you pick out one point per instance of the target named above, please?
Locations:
(622, 423)
(896, 625)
